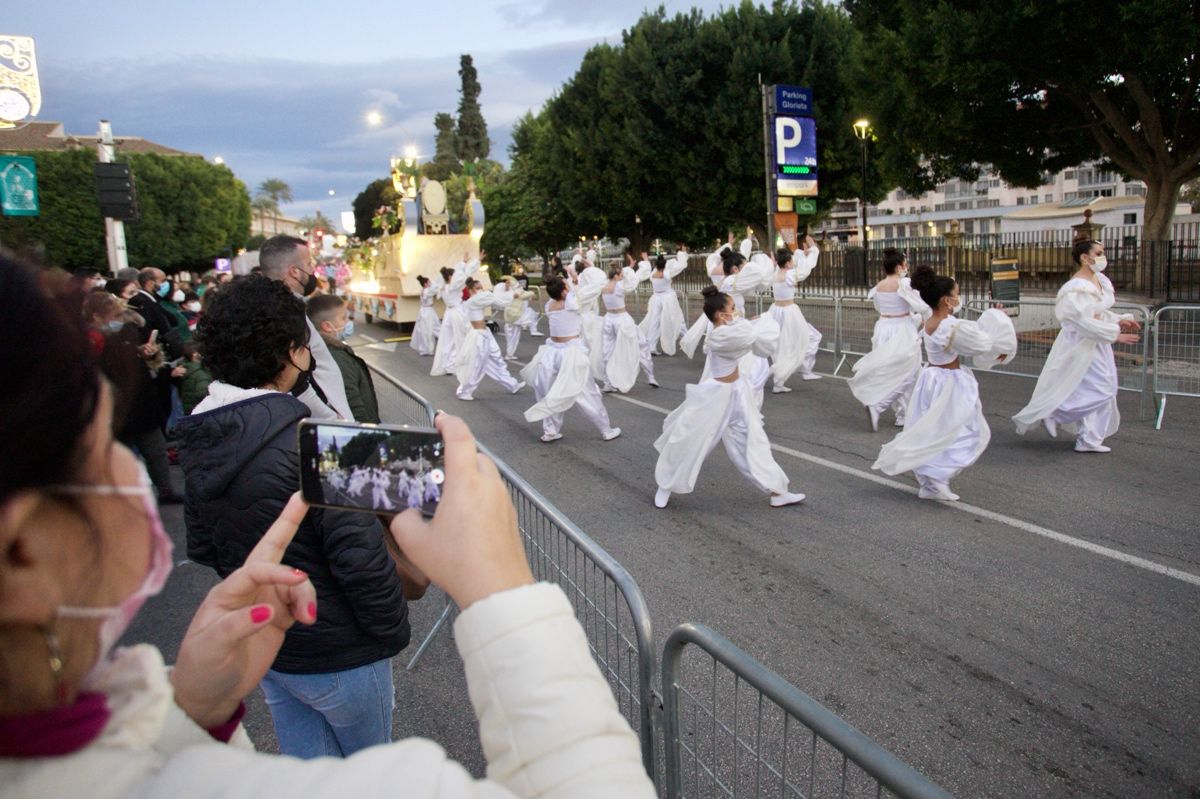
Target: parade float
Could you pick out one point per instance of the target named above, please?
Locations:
(417, 240)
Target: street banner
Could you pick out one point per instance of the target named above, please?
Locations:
(786, 226)
(18, 186)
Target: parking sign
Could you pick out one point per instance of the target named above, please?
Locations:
(795, 149)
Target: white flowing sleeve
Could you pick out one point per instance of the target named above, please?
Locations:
(766, 336)
(805, 263)
(712, 264)
(1081, 308)
(985, 340)
(589, 287)
(678, 265)
(754, 275)
(482, 301)
(910, 296)
(733, 340)
(746, 247)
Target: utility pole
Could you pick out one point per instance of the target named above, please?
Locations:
(768, 101)
(114, 229)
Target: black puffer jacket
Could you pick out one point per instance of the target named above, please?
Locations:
(241, 464)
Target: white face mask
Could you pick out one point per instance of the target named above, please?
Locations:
(954, 309)
(1099, 264)
(192, 306)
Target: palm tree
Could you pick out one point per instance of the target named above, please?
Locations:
(278, 191)
(263, 205)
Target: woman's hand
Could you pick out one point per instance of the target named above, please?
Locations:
(1129, 326)
(239, 627)
(471, 547)
(1128, 338)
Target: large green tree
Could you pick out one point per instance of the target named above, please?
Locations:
(377, 193)
(191, 212)
(1036, 87)
(667, 125)
(445, 155)
(472, 134)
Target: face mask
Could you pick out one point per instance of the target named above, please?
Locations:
(177, 297)
(954, 309)
(116, 619)
(1100, 264)
(114, 325)
(346, 332)
(310, 284)
(192, 306)
(162, 289)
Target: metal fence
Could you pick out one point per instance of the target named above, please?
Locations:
(608, 603)
(1176, 354)
(616, 621)
(734, 728)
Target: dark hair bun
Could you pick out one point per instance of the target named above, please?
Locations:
(922, 277)
(710, 291)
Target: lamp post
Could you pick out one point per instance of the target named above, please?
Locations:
(862, 130)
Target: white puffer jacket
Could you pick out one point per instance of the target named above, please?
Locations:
(548, 724)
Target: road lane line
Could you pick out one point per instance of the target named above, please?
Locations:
(961, 507)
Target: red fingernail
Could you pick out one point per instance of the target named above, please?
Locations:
(312, 610)
(260, 613)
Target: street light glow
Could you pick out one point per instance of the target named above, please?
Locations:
(410, 152)
(861, 127)
(331, 192)
(374, 118)
(218, 160)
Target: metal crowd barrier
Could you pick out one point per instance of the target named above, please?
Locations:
(608, 603)
(734, 728)
(1176, 355)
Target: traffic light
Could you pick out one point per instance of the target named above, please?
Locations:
(116, 192)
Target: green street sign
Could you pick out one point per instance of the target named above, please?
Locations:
(18, 186)
(805, 205)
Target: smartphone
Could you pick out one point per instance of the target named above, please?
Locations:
(153, 337)
(371, 467)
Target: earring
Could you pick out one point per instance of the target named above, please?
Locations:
(54, 659)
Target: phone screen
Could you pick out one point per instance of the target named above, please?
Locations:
(376, 468)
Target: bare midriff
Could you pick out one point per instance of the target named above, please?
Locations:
(952, 365)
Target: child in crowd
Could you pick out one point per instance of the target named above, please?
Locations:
(328, 315)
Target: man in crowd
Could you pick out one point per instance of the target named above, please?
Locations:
(146, 303)
(287, 259)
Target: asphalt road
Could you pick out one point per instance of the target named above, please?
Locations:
(1039, 638)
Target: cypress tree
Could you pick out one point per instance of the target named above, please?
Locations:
(472, 129)
(445, 157)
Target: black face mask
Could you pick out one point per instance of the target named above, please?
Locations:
(310, 285)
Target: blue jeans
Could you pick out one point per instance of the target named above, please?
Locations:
(333, 714)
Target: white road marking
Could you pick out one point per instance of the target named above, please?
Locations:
(961, 507)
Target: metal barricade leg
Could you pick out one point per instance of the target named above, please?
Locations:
(437, 626)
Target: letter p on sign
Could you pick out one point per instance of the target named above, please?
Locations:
(787, 135)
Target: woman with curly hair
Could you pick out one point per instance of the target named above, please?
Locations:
(330, 688)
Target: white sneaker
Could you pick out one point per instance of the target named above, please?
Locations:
(611, 434)
(1051, 427)
(548, 437)
(873, 415)
(607, 388)
(899, 421)
(661, 497)
(780, 390)
(510, 357)
(783, 500)
(653, 382)
(810, 376)
(539, 335)
(1081, 447)
(942, 492)
(465, 397)
(518, 387)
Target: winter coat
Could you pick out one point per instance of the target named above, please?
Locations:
(548, 722)
(241, 464)
(193, 386)
(360, 389)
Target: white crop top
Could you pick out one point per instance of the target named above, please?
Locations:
(565, 322)
(427, 297)
(891, 303)
(614, 300)
(783, 291)
(720, 366)
(661, 285)
(452, 298)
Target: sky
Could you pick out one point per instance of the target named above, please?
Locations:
(282, 89)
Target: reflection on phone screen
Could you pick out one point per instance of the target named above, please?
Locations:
(383, 470)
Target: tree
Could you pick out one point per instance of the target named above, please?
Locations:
(263, 205)
(317, 221)
(445, 153)
(278, 191)
(377, 193)
(1191, 194)
(1033, 88)
(472, 134)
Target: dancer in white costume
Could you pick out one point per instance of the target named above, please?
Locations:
(1078, 384)
(945, 431)
(798, 340)
(426, 328)
(454, 321)
(721, 407)
(589, 281)
(518, 315)
(664, 323)
(885, 376)
(624, 347)
(560, 372)
(379, 487)
(479, 355)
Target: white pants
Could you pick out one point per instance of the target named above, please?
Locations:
(1092, 406)
(623, 372)
(487, 363)
(588, 401)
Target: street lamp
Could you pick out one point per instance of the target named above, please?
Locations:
(218, 160)
(374, 118)
(862, 130)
